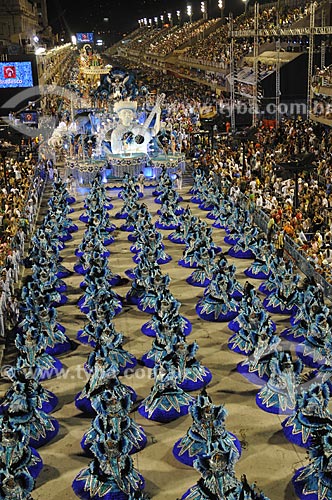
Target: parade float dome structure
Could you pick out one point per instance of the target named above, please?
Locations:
(125, 137)
(131, 141)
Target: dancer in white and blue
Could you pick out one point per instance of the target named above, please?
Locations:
(166, 401)
(103, 377)
(218, 480)
(260, 268)
(313, 481)
(111, 474)
(284, 298)
(313, 348)
(279, 393)
(112, 413)
(17, 456)
(167, 316)
(217, 303)
(311, 415)
(208, 427)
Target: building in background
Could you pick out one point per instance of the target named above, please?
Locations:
(23, 24)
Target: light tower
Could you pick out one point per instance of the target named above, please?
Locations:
(221, 7)
(190, 12)
(203, 10)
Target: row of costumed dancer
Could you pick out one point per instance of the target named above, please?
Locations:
(113, 435)
(176, 370)
(25, 420)
(297, 388)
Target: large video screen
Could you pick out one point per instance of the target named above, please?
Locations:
(15, 75)
(29, 117)
(84, 37)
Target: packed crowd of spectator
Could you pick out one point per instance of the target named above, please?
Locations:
(258, 174)
(179, 36)
(322, 101)
(323, 77)
(21, 180)
(270, 17)
(213, 47)
(144, 38)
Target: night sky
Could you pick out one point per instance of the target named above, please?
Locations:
(71, 16)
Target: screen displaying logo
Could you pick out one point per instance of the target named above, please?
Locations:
(84, 37)
(16, 74)
(9, 72)
(29, 117)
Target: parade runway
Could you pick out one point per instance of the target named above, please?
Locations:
(267, 457)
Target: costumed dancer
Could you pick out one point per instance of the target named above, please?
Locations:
(205, 268)
(199, 178)
(207, 428)
(168, 220)
(314, 480)
(25, 379)
(311, 415)
(31, 344)
(228, 271)
(166, 191)
(98, 294)
(172, 347)
(246, 339)
(142, 219)
(111, 474)
(166, 401)
(210, 197)
(96, 211)
(200, 185)
(152, 248)
(218, 480)
(24, 409)
(310, 304)
(199, 237)
(130, 196)
(250, 303)
(217, 303)
(60, 188)
(179, 236)
(40, 298)
(255, 367)
(260, 268)
(112, 415)
(16, 455)
(238, 221)
(94, 237)
(222, 214)
(167, 316)
(146, 269)
(46, 248)
(103, 377)
(279, 393)
(284, 298)
(155, 288)
(107, 343)
(311, 296)
(278, 267)
(247, 243)
(312, 350)
(18, 467)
